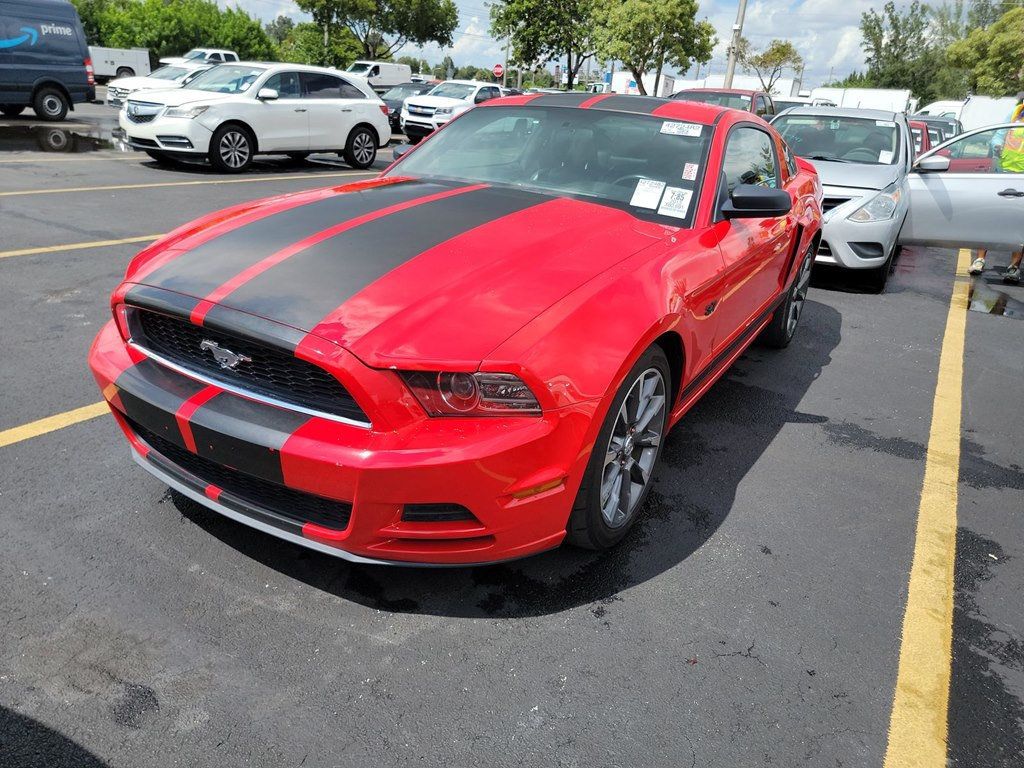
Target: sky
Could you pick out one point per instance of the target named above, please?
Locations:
(825, 32)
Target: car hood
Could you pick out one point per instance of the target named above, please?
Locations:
(437, 101)
(856, 175)
(174, 97)
(394, 269)
(140, 83)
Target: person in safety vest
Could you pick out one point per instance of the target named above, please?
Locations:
(1010, 160)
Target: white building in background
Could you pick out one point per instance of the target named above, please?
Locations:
(785, 86)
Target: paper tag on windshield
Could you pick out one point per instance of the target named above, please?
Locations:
(676, 202)
(681, 129)
(885, 123)
(690, 172)
(647, 193)
(885, 156)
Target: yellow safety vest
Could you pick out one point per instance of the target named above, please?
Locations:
(1012, 158)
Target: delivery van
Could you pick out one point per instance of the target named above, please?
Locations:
(382, 75)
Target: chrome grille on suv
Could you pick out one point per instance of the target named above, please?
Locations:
(415, 109)
(271, 372)
(143, 111)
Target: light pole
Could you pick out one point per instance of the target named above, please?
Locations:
(734, 46)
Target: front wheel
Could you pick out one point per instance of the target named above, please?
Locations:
(780, 331)
(50, 105)
(361, 148)
(231, 149)
(877, 278)
(621, 467)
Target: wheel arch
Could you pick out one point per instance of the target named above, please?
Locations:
(373, 130)
(57, 84)
(246, 126)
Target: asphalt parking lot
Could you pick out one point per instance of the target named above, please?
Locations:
(754, 618)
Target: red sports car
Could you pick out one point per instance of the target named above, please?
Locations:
(478, 354)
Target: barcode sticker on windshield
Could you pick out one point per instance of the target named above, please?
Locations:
(647, 193)
(676, 202)
(690, 172)
(681, 129)
(885, 156)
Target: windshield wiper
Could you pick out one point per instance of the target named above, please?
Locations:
(827, 157)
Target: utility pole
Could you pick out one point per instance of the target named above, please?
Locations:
(734, 46)
(504, 72)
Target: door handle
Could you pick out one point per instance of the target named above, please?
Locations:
(1010, 193)
(300, 110)
(345, 109)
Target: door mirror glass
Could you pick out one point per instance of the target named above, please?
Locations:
(482, 95)
(933, 164)
(267, 94)
(750, 201)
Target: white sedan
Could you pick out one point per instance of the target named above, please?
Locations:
(171, 76)
(235, 111)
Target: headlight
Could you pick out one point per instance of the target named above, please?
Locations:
(880, 207)
(443, 110)
(471, 394)
(188, 113)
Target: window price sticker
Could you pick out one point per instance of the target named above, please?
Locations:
(647, 193)
(690, 171)
(676, 202)
(885, 156)
(681, 129)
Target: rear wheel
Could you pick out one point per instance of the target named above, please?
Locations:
(11, 110)
(231, 149)
(125, 72)
(50, 104)
(621, 466)
(779, 332)
(361, 148)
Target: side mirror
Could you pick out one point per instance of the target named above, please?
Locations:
(480, 97)
(932, 164)
(749, 201)
(401, 150)
(267, 94)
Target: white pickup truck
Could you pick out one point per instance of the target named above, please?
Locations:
(212, 55)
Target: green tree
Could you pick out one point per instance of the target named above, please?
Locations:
(384, 26)
(89, 11)
(279, 29)
(305, 45)
(899, 48)
(769, 64)
(647, 34)
(542, 30)
(994, 56)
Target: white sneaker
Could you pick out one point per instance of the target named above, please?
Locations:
(977, 267)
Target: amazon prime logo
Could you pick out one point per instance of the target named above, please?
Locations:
(225, 357)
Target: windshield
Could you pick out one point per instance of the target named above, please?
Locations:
(195, 53)
(734, 100)
(359, 67)
(169, 73)
(847, 139)
(453, 91)
(226, 78)
(402, 91)
(649, 166)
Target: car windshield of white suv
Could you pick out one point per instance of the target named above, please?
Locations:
(226, 78)
(841, 139)
(733, 100)
(169, 73)
(403, 91)
(649, 166)
(453, 91)
(195, 53)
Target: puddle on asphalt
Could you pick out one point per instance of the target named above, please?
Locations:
(993, 297)
(44, 138)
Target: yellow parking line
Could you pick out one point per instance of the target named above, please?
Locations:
(152, 185)
(52, 423)
(918, 724)
(77, 246)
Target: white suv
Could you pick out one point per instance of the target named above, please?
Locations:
(235, 111)
(422, 115)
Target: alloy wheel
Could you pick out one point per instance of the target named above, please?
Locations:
(363, 148)
(52, 105)
(633, 447)
(799, 294)
(234, 149)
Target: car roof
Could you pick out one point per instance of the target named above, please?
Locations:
(737, 91)
(620, 102)
(870, 114)
(468, 82)
(284, 65)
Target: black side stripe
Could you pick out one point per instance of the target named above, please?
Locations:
(302, 290)
(151, 395)
(199, 271)
(711, 368)
(642, 105)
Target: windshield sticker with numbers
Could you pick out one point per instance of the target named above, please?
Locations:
(681, 129)
(647, 193)
(676, 202)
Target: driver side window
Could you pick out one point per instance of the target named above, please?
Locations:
(286, 84)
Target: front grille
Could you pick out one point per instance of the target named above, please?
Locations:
(119, 93)
(143, 111)
(416, 110)
(298, 506)
(832, 202)
(140, 118)
(270, 372)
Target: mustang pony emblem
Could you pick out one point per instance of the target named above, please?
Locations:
(225, 357)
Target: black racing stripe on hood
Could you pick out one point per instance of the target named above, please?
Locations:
(199, 271)
(159, 300)
(151, 394)
(560, 99)
(644, 105)
(302, 290)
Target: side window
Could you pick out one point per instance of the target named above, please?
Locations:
(749, 159)
(997, 150)
(374, 72)
(230, 57)
(790, 160)
(286, 84)
(319, 86)
(760, 107)
(214, 57)
(349, 91)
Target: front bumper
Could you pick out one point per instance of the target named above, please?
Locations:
(857, 245)
(421, 126)
(516, 476)
(175, 134)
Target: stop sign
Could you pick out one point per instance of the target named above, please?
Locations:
(498, 70)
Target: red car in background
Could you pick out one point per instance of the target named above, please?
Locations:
(478, 354)
(758, 102)
(922, 139)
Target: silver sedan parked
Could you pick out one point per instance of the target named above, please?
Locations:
(863, 157)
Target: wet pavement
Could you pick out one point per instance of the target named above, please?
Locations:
(752, 618)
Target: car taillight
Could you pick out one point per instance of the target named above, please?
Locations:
(471, 394)
(384, 109)
(90, 74)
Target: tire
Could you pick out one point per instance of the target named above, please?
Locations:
(593, 525)
(361, 148)
(11, 110)
(125, 72)
(876, 279)
(50, 104)
(232, 148)
(298, 157)
(780, 331)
